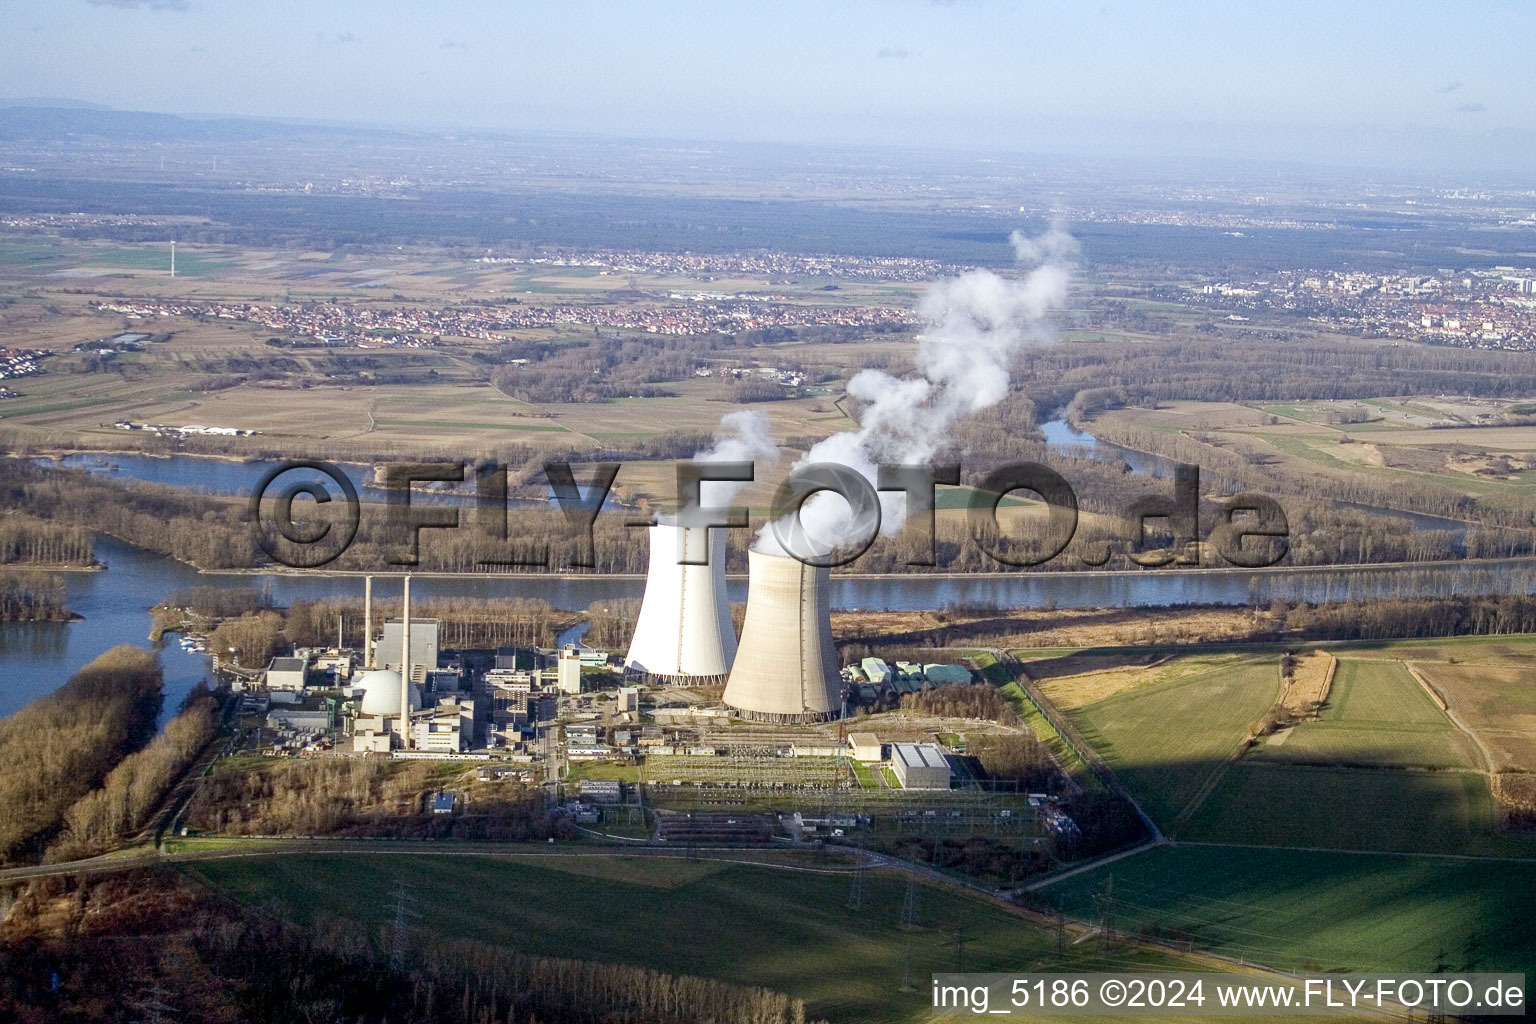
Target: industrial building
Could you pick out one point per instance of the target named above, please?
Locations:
(286, 674)
(684, 633)
(920, 766)
(378, 712)
(424, 634)
(866, 746)
(786, 664)
(449, 727)
(568, 669)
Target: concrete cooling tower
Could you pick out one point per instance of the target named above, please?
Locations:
(786, 664)
(684, 633)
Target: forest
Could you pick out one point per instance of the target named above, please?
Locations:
(965, 700)
(63, 745)
(209, 531)
(133, 791)
(156, 945)
(33, 596)
(27, 539)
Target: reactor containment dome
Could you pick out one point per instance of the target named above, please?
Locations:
(684, 632)
(381, 693)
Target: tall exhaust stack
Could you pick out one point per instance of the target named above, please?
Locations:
(405, 668)
(786, 664)
(684, 634)
(367, 622)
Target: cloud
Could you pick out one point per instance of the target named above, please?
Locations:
(894, 53)
(339, 37)
(1448, 87)
(133, 5)
(453, 44)
(1471, 108)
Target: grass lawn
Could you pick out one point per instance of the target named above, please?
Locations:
(1332, 911)
(602, 770)
(785, 929)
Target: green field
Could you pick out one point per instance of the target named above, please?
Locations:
(790, 930)
(1354, 809)
(1165, 740)
(1330, 911)
(1377, 715)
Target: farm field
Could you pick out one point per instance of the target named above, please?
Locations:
(1382, 767)
(1463, 444)
(1377, 715)
(349, 401)
(1354, 809)
(1323, 911)
(1496, 701)
(785, 929)
(1165, 739)
(1078, 680)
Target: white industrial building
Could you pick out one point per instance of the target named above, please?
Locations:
(286, 674)
(424, 634)
(866, 746)
(920, 766)
(786, 665)
(684, 632)
(568, 669)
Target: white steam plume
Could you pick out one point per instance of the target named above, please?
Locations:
(742, 436)
(974, 324)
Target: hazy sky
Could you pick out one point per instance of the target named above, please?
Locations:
(1392, 83)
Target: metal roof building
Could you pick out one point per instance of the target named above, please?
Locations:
(920, 766)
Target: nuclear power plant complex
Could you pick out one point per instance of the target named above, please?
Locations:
(685, 700)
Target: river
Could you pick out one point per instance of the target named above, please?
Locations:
(36, 657)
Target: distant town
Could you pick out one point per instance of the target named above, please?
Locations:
(369, 327)
(1493, 309)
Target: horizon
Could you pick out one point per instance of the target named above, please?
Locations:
(964, 78)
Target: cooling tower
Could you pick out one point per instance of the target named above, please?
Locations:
(684, 633)
(786, 665)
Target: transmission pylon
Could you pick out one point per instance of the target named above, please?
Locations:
(909, 903)
(399, 939)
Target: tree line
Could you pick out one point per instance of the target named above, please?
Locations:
(465, 622)
(33, 596)
(156, 944)
(61, 746)
(133, 790)
(25, 538)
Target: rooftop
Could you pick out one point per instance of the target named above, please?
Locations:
(920, 755)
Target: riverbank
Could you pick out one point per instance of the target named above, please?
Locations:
(49, 567)
(1518, 562)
